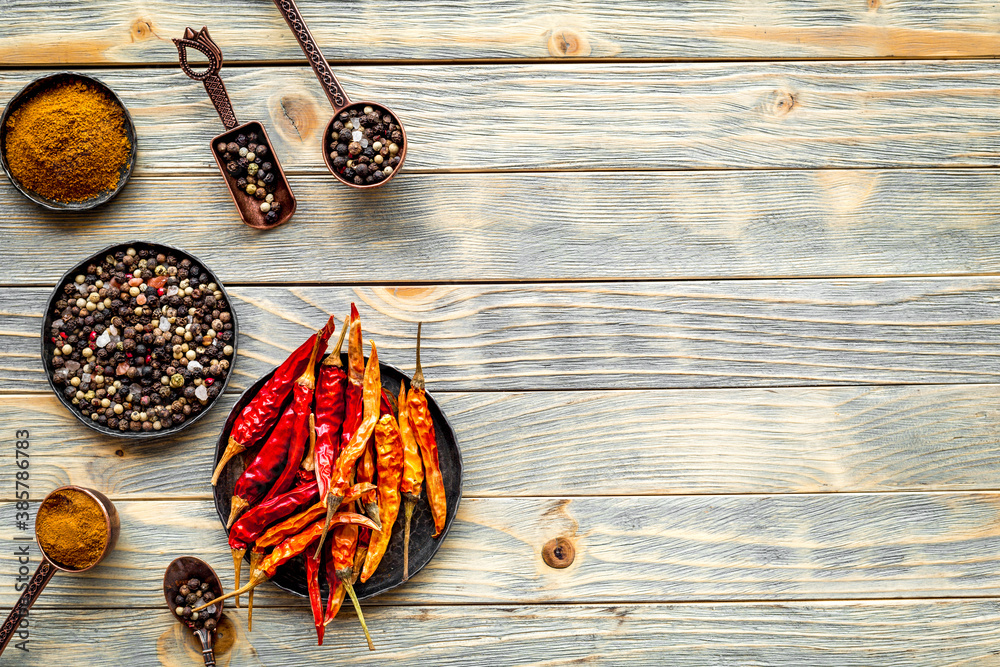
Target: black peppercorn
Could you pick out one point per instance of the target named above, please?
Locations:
(232, 167)
(241, 140)
(262, 151)
(339, 161)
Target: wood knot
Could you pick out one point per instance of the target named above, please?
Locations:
(566, 43)
(783, 103)
(295, 116)
(119, 453)
(141, 29)
(558, 553)
(874, 4)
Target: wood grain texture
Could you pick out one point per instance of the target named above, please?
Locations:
(590, 116)
(132, 31)
(821, 634)
(638, 549)
(789, 440)
(614, 335)
(517, 227)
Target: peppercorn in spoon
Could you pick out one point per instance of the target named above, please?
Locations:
(243, 152)
(187, 583)
(364, 144)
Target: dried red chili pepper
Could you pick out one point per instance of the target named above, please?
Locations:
(302, 396)
(315, 600)
(255, 521)
(344, 561)
(330, 410)
(423, 430)
(355, 379)
(260, 414)
(389, 446)
(253, 484)
(344, 469)
(413, 475)
(283, 446)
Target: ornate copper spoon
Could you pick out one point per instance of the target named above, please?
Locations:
(49, 566)
(185, 568)
(343, 163)
(252, 208)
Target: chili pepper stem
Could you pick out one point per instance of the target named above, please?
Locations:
(237, 568)
(333, 359)
(409, 501)
(371, 509)
(255, 558)
(232, 449)
(418, 375)
(237, 507)
(332, 503)
(308, 376)
(309, 460)
(357, 608)
(255, 580)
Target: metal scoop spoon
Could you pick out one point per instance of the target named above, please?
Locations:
(339, 100)
(48, 566)
(185, 568)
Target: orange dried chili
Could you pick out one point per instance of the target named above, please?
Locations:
(390, 468)
(413, 474)
(423, 430)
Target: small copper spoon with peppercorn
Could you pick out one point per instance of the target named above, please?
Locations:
(188, 573)
(352, 157)
(264, 202)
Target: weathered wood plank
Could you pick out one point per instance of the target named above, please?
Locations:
(590, 116)
(131, 31)
(628, 549)
(823, 634)
(597, 443)
(615, 335)
(514, 227)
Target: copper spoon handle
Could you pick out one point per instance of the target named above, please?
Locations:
(31, 592)
(334, 91)
(202, 41)
(207, 649)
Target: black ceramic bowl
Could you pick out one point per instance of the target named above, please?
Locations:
(29, 91)
(291, 576)
(48, 346)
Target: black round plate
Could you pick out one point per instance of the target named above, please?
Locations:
(26, 93)
(48, 346)
(291, 577)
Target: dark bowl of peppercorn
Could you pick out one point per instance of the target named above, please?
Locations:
(138, 340)
(365, 145)
(67, 142)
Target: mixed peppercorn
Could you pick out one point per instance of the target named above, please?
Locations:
(190, 593)
(142, 341)
(365, 145)
(247, 161)
(313, 424)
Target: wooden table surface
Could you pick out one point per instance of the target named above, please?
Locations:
(709, 289)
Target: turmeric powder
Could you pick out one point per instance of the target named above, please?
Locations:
(71, 529)
(68, 142)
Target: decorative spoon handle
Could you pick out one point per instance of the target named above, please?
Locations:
(202, 41)
(34, 589)
(334, 91)
(207, 648)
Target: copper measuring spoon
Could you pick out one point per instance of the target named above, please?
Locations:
(248, 206)
(191, 567)
(335, 93)
(48, 567)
